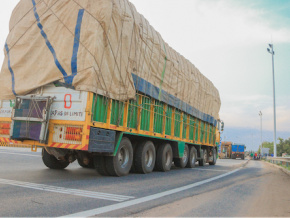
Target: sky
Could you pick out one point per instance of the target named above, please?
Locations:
(227, 41)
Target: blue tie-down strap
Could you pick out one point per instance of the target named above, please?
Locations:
(10, 69)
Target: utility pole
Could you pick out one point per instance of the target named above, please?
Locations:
(260, 114)
(271, 51)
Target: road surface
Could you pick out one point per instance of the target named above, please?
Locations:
(28, 188)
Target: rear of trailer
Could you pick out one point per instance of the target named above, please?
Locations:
(238, 151)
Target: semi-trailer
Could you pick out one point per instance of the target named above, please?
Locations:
(92, 81)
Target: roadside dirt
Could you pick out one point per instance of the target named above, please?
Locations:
(270, 198)
(273, 197)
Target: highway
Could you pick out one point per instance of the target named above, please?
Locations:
(230, 188)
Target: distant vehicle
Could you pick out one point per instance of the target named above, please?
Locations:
(238, 151)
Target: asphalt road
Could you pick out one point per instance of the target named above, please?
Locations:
(28, 188)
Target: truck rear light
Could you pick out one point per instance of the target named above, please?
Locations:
(73, 133)
(68, 134)
(73, 130)
(73, 137)
(4, 131)
(5, 125)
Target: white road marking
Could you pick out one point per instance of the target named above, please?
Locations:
(211, 170)
(31, 155)
(76, 192)
(122, 205)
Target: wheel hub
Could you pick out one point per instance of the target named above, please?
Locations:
(149, 158)
(123, 157)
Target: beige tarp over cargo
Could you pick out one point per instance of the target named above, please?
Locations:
(97, 45)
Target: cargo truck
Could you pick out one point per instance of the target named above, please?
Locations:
(238, 151)
(93, 82)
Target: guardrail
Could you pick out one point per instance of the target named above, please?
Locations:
(284, 161)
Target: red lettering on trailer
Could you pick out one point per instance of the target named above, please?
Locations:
(65, 101)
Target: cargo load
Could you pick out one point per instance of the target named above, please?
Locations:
(102, 46)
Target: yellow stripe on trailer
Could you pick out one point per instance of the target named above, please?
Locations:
(5, 144)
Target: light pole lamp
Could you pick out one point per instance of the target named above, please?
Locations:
(271, 51)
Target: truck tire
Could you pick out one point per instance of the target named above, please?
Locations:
(121, 164)
(90, 165)
(192, 157)
(100, 165)
(181, 162)
(214, 157)
(145, 155)
(164, 158)
(203, 161)
(51, 162)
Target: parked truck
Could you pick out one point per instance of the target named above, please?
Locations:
(238, 151)
(92, 81)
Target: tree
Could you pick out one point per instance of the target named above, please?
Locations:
(282, 147)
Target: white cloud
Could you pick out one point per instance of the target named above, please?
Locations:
(243, 111)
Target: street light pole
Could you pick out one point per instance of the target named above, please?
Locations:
(260, 114)
(271, 51)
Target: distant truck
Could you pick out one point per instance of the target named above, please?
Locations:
(238, 151)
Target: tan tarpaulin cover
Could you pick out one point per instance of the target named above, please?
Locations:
(115, 41)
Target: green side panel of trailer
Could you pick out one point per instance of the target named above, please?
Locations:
(132, 113)
(100, 109)
(145, 113)
(196, 130)
(205, 133)
(177, 123)
(191, 127)
(168, 120)
(210, 134)
(117, 113)
(158, 117)
(184, 126)
(201, 131)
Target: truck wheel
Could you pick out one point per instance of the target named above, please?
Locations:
(203, 161)
(164, 157)
(192, 157)
(181, 162)
(120, 164)
(89, 165)
(145, 155)
(100, 165)
(214, 157)
(51, 162)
